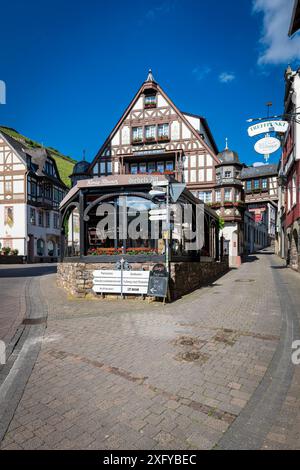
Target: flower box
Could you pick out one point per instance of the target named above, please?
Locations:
(163, 138)
(137, 140)
(150, 105)
(119, 251)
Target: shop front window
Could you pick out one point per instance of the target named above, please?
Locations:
(121, 225)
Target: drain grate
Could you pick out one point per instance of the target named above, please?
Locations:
(34, 321)
(192, 356)
(244, 280)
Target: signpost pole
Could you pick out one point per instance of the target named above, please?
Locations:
(168, 228)
(168, 241)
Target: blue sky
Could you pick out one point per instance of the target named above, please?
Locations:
(71, 68)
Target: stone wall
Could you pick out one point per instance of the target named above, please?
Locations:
(185, 277)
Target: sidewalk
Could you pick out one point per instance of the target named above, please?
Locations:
(113, 374)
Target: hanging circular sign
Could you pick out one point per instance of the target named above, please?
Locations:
(267, 145)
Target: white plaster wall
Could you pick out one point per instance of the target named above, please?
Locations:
(194, 121)
(175, 130)
(139, 104)
(126, 135)
(161, 102)
(228, 233)
(116, 139)
(18, 230)
(186, 133)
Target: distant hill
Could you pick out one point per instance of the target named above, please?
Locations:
(64, 164)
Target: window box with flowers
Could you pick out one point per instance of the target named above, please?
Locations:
(137, 140)
(239, 204)
(215, 205)
(163, 138)
(150, 139)
(150, 105)
(119, 251)
(228, 203)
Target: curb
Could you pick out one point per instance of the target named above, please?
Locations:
(23, 352)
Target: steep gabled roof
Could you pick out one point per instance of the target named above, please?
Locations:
(153, 85)
(37, 157)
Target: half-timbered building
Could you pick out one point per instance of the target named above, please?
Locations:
(155, 137)
(30, 193)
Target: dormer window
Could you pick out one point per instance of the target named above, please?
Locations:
(150, 101)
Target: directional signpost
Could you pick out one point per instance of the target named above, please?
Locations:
(158, 214)
(122, 280)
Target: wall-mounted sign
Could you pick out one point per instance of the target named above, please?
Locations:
(268, 126)
(267, 145)
(144, 153)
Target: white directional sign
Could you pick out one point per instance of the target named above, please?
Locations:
(120, 282)
(160, 183)
(158, 217)
(267, 145)
(268, 126)
(161, 211)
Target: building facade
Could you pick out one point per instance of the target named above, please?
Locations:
(30, 193)
(289, 174)
(155, 137)
(261, 198)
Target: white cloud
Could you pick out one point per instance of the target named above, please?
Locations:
(277, 47)
(226, 77)
(201, 72)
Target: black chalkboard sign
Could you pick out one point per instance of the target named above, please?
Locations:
(158, 281)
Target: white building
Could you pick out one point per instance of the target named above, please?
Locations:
(30, 193)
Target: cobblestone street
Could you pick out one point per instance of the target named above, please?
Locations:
(212, 370)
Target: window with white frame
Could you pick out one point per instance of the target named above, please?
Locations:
(227, 174)
(150, 101)
(227, 194)
(218, 195)
(150, 132)
(205, 196)
(137, 134)
(163, 131)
